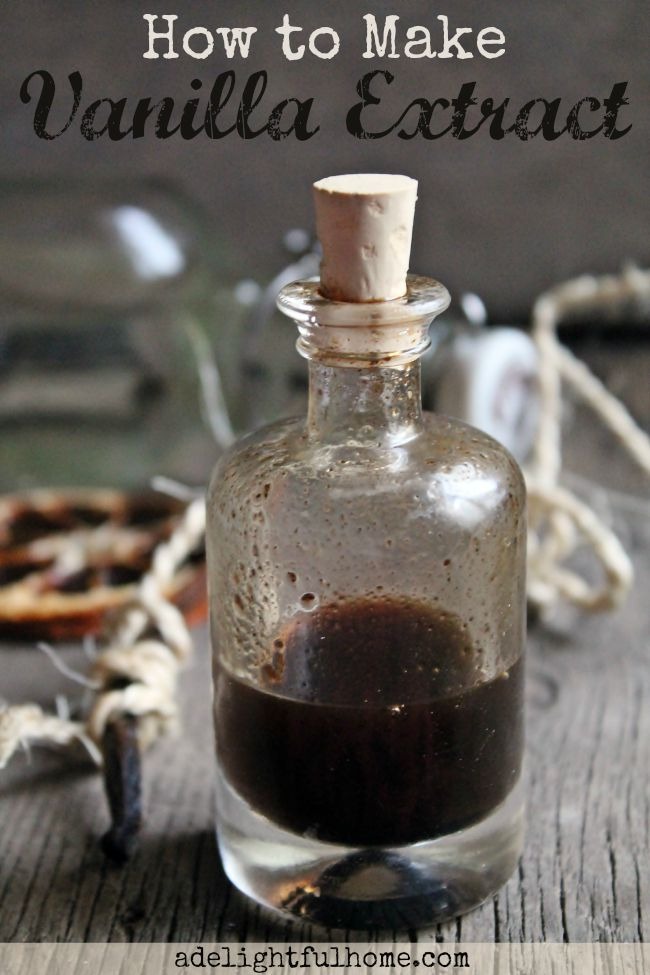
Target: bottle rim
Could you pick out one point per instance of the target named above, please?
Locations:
(425, 298)
(364, 334)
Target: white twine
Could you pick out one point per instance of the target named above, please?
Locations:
(26, 724)
(146, 666)
(558, 520)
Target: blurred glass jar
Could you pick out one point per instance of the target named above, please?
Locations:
(107, 314)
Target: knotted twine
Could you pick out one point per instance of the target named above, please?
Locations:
(143, 647)
(558, 520)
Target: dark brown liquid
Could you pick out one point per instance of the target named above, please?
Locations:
(372, 727)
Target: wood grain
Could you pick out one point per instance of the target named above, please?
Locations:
(583, 876)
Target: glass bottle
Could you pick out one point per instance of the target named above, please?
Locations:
(367, 583)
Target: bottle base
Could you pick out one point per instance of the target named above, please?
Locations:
(372, 887)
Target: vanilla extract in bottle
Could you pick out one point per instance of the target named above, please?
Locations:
(366, 569)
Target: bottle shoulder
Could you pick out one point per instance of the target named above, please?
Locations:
(448, 443)
(256, 455)
(444, 455)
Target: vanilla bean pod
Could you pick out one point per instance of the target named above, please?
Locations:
(123, 784)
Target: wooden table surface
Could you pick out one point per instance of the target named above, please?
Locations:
(584, 873)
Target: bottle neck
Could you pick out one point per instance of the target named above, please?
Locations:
(377, 405)
(364, 369)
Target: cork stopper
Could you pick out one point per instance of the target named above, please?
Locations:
(365, 224)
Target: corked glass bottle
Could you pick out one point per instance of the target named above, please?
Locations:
(367, 587)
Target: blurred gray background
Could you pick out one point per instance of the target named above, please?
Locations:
(503, 218)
